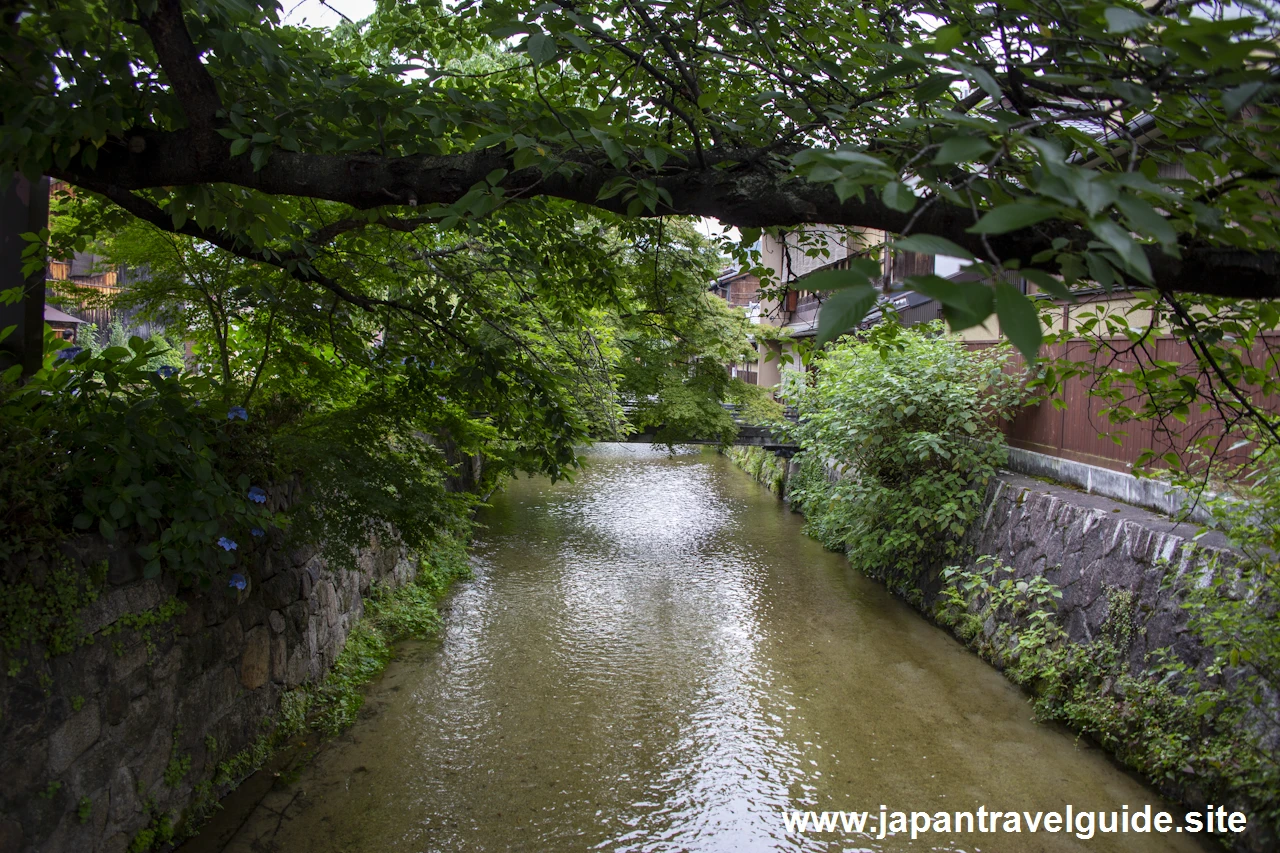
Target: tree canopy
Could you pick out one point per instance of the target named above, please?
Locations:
(1115, 141)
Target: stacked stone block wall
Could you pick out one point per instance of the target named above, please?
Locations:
(99, 744)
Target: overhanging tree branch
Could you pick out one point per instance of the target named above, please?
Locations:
(739, 187)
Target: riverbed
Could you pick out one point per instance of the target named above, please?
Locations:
(655, 658)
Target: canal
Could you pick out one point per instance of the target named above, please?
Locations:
(655, 658)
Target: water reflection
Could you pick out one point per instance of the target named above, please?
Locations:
(653, 658)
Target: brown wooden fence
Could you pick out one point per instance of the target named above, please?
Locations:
(1081, 432)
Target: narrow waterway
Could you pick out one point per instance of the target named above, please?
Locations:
(655, 658)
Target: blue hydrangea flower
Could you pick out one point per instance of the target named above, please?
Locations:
(237, 412)
(238, 581)
(165, 371)
(258, 531)
(68, 353)
(257, 495)
(227, 544)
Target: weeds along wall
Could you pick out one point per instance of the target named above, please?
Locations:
(167, 699)
(1091, 606)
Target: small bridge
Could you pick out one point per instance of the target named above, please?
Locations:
(749, 435)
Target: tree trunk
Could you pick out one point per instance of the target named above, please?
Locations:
(24, 208)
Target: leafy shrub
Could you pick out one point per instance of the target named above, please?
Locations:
(1237, 613)
(1233, 609)
(909, 416)
(107, 443)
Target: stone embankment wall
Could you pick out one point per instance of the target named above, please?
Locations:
(104, 748)
(1086, 545)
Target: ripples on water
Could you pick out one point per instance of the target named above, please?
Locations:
(653, 658)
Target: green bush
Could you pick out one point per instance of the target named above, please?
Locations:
(1233, 609)
(910, 417)
(109, 443)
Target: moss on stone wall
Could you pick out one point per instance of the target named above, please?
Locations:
(764, 466)
(390, 615)
(39, 610)
(129, 705)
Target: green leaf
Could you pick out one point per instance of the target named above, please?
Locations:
(1234, 100)
(614, 186)
(541, 48)
(1144, 219)
(1046, 282)
(962, 149)
(617, 155)
(1013, 216)
(898, 196)
(965, 304)
(1095, 194)
(259, 157)
(929, 245)
(843, 311)
(983, 78)
(929, 89)
(945, 38)
(1019, 320)
(239, 146)
(655, 157)
(859, 158)
(1122, 20)
(856, 276)
(579, 43)
(1129, 250)
(1100, 270)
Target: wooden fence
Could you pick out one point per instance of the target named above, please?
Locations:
(1080, 431)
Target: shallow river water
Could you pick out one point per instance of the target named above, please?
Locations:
(655, 658)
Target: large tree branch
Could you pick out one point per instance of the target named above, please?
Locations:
(742, 187)
(180, 61)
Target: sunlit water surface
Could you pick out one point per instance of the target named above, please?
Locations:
(655, 658)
